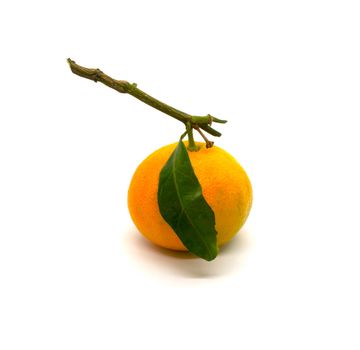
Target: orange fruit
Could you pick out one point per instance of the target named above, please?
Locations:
(225, 185)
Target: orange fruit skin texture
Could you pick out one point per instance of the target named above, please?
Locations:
(225, 185)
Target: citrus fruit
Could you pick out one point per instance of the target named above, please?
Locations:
(225, 186)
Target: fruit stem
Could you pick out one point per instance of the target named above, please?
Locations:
(191, 145)
(123, 86)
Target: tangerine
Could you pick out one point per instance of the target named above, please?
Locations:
(225, 186)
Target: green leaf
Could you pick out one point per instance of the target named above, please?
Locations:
(183, 206)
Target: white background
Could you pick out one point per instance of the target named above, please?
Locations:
(74, 272)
